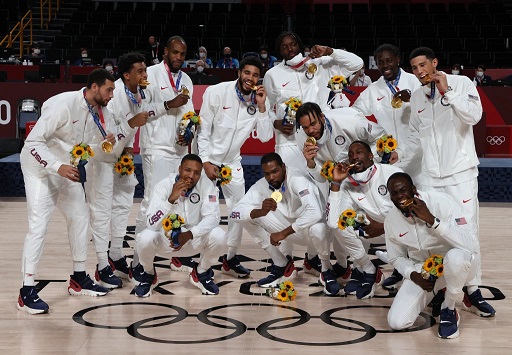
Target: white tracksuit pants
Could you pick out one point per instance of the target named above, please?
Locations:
(459, 267)
(292, 156)
(233, 192)
(149, 243)
(46, 190)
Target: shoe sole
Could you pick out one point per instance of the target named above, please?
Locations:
(311, 271)
(107, 285)
(393, 286)
(31, 311)
(454, 335)
(476, 311)
(231, 272)
(204, 291)
(182, 268)
(72, 292)
(370, 294)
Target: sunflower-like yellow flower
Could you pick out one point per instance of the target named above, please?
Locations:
(167, 224)
(342, 224)
(287, 285)
(380, 145)
(119, 167)
(439, 270)
(282, 296)
(181, 220)
(349, 213)
(188, 115)
(224, 172)
(130, 169)
(125, 159)
(90, 151)
(428, 264)
(78, 151)
(337, 79)
(296, 106)
(391, 144)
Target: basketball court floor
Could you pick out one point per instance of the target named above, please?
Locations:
(241, 319)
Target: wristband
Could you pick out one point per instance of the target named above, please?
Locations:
(165, 106)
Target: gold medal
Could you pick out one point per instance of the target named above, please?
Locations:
(311, 140)
(144, 83)
(107, 147)
(277, 196)
(185, 91)
(396, 102)
(427, 79)
(312, 68)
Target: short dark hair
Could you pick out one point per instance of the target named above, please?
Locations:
(306, 109)
(292, 35)
(193, 157)
(263, 47)
(269, 157)
(400, 175)
(427, 52)
(386, 47)
(483, 67)
(251, 61)
(99, 77)
(456, 65)
(179, 38)
(126, 61)
(364, 144)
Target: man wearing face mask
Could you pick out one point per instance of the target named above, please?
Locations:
(303, 78)
(456, 69)
(199, 77)
(36, 56)
(203, 55)
(228, 62)
(480, 78)
(266, 60)
(84, 59)
(444, 110)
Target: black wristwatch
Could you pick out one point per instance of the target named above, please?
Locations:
(435, 224)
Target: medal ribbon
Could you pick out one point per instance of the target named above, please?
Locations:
(282, 188)
(394, 88)
(97, 119)
(132, 97)
(357, 183)
(241, 97)
(178, 80)
(301, 64)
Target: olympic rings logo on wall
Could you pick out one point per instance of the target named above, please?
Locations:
(496, 140)
(267, 329)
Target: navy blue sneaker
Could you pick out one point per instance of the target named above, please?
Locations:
(448, 324)
(328, 280)
(369, 283)
(312, 266)
(183, 264)
(476, 304)
(106, 278)
(147, 285)
(355, 281)
(393, 281)
(278, 274)
(204, 282)
(120, 267)
(136, 274)
(85, 287)
(29, 301)
(341, 273)
(232, 267)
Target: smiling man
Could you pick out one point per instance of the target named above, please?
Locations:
(231, 111)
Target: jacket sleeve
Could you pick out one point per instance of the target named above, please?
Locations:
(338, 202)
(397, 252)
(265, 124)
(210, 212)
(309, 196)
(159, 206)
(369, 132)
(466, 103)
(251, 200)
(52, 119)
(209, 108)
(412, 145)
(348, 62)
(362, 105)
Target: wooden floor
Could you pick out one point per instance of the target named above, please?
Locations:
(178, 319)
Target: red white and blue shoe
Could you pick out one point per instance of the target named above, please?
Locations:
(183, 264)
(86, 287)
(279, 274)
(204, 282)
(233, 267)
(106, 278)
(148, 283)
(476, 304)
(341, 273)
(29, 301)
(369, 283)
(312, 266)
(328, 281)
(135, 274)
(120, 267)
(448, 324)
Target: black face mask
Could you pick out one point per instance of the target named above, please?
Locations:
(227, 56)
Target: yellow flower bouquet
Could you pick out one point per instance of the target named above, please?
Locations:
(327, 170)
(81, 152)
(433, 267)
(284, 292)
(350, 218)
(225, 175)
(172, 224)
(124, 165)
(291, 107)
(385, 145)
(189, 121)
(337, 83)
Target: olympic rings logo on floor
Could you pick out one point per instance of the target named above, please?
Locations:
(267, 329)
(496, 140)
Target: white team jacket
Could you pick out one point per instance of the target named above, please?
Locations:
(283, 82)
(200, 208)
(159, 135)
(346, 125)
(226, 124)
(301, 201)
(445, 133)
(372, 198)
(376, 100)
(65, 121)
(409, 241)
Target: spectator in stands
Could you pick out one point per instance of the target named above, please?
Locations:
(202, 54)
(228, 61)
(108, 65)
(155, 50)
(35, 55)
(307, 50)
(84, 59)
(480, 78)
(359, 78)
(199, 77)
(266, 60)
(456, 69)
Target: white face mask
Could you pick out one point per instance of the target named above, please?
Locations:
(109, 68)
(455, 72)
(306, 54)
(199, 69)
(84, 55)
(480, 74)
(37, 51)
(202, 54)
(264, 56)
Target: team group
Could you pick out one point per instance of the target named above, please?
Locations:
(335, 181)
